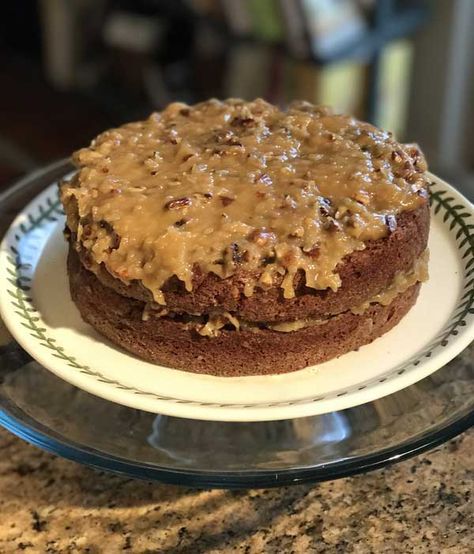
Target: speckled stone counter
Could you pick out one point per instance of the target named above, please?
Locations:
(423, 505)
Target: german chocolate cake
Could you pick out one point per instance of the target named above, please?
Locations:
(234, 238)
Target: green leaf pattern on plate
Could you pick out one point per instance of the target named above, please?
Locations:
(456, 214)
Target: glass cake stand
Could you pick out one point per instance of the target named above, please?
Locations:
(54, 415)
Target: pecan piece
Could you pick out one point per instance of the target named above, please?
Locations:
(221, 136)
(178, 203)
(397, 156)
(115, 241)
(411, 176)
(242, 121)
(226, 200)
(86, 231)
(331, 225)
(296, 234)
(313, 252)
(362, 198)
(261, 237)
(265, 179)
(324, 206)
(235, 253)
(233, 142)
(267, 260)
(114, 238)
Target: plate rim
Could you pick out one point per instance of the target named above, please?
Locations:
(150, 401)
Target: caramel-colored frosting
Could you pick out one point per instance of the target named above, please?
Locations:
(211, 324)
(242, 187)
(402, 281)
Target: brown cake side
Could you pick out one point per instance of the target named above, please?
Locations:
(231, 353)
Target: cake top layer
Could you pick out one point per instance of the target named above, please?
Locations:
(239, 187)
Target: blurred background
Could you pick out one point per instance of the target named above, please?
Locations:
(71, 68)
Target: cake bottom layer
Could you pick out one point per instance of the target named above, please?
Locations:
(232, 353)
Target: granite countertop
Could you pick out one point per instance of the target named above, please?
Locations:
(423, 505)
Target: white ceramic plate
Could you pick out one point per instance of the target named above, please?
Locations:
(36, 307)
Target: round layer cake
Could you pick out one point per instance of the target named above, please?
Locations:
(234, 238)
